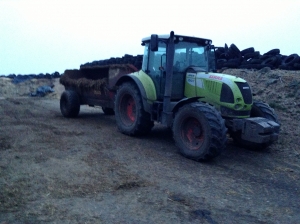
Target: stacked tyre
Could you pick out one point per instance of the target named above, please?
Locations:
(126, 59)
(226, 57)
(249, 58)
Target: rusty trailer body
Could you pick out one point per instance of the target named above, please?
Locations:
(95, 85)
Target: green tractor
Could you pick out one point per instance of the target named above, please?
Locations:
(176, 86)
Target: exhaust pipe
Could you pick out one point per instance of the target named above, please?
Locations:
(167, 113)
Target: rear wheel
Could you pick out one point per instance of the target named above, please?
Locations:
(199, 131)
(131, 117)
(69, 104)
(259, 109)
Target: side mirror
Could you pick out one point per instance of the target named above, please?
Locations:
(154, 42)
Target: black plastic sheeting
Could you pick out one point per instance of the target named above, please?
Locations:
(22, 78)
(226, 57)
(43, 91)
(126, 59)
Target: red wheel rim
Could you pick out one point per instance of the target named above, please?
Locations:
(192, 133)
(127, 110)
(131, 109)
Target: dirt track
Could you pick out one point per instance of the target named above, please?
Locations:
(58, 170)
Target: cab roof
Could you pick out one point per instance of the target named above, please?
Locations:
(201, 41)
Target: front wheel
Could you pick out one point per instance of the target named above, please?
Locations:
(130, 115)
(260, 109)
(199, 131)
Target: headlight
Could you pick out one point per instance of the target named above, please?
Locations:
(237, 106)
(238, 100)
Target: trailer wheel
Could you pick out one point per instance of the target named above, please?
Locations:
(199, 131)
(259, 109)
(69, 104)
(130, 115)
(108, 111)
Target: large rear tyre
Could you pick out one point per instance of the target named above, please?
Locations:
(69, 104)
(259, 109)
(130, 115)
(199, 131)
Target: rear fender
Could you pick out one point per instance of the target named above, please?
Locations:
(145, 86)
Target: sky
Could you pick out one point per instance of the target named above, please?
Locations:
(44, 36)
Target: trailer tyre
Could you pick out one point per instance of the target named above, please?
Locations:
(199, 131)
(130, 115)
(69, 104)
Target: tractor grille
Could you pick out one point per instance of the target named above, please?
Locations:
(246, 91)
(226, 94)
(211, 86)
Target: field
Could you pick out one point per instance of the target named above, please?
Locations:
(58, 170)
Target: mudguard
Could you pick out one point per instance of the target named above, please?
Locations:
(146, 87)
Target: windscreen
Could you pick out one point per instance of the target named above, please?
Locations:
(189, 54)
(212, 59)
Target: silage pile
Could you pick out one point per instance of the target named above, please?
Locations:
(83, 83)
(8, 89)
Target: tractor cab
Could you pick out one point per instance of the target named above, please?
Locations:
(184, 53)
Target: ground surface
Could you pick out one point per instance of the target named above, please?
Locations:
(58, 170)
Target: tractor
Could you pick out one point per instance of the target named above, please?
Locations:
(177, 85)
